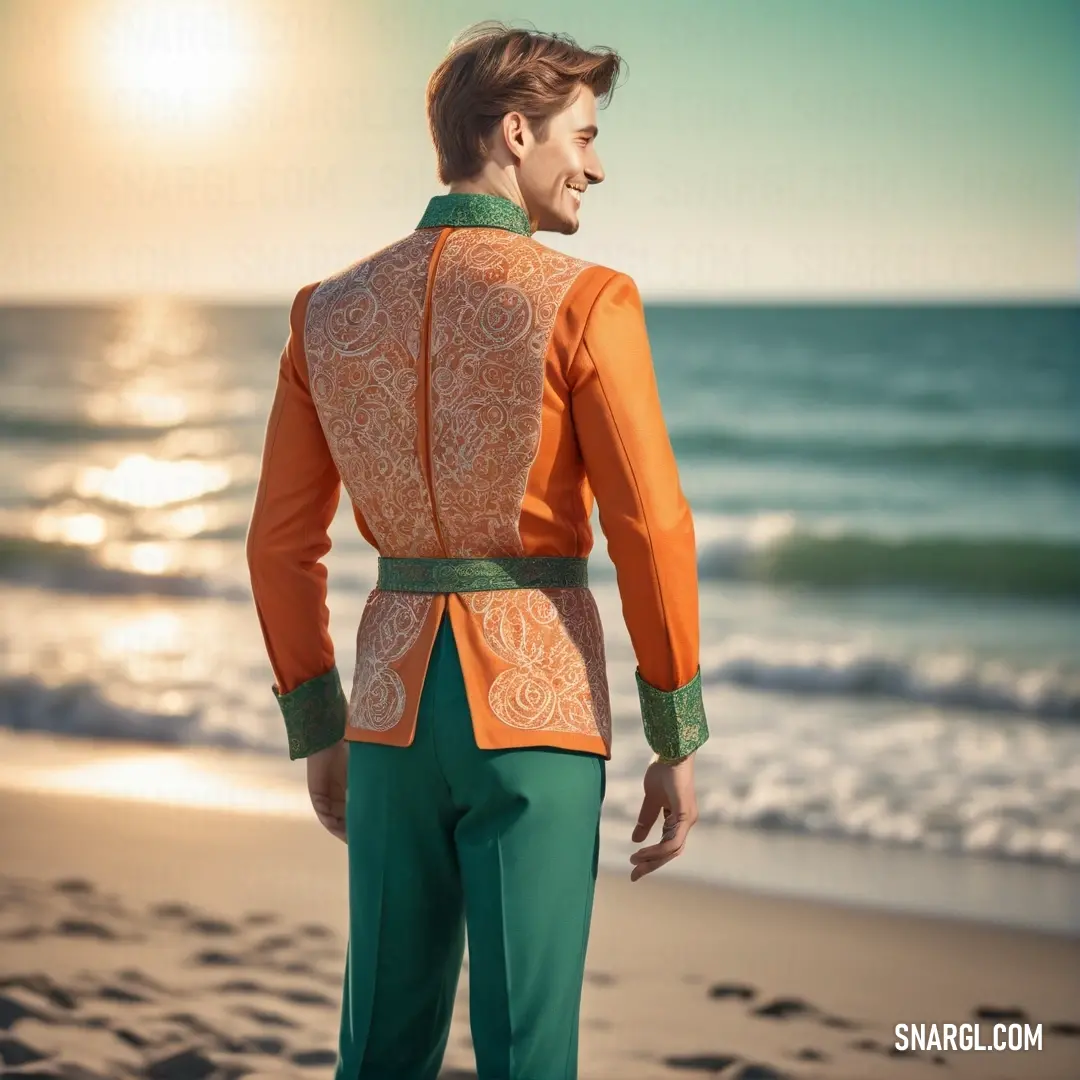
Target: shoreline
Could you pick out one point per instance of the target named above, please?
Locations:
(852, 875)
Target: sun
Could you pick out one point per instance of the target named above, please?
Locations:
(176, 61)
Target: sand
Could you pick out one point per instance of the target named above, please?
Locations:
(174, 942)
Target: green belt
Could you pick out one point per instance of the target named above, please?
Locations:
(482, 575)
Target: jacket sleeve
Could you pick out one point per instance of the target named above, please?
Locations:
(644, 514)
(297, 498)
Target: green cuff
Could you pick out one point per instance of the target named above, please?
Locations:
(674, 719)
(315, 713)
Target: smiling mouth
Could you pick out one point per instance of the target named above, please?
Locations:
(575, 193)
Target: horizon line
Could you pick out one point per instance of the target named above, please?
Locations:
(670, 299)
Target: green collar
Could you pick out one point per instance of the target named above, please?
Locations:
(462, 209)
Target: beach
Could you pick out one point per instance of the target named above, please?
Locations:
(862, 317)
(177, 928)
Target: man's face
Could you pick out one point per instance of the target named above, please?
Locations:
(553, 174)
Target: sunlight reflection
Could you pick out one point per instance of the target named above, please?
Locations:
(155, 327)
(156, 368)
(133, 405)
(140, 480)
(165, 778)
(54, 526)
(150, 558)
(158, 631)
(186, 522)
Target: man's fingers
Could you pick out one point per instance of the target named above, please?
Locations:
(331, 813)
(334, 825)
(327, 804)
(673, 837)
(647, 815)
(647, 859)
(641, 869)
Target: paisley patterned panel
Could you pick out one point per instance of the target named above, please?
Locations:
(494, 302)
(554, 641)
(362, 339)
(389, 627)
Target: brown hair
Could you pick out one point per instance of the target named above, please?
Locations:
(492, 69)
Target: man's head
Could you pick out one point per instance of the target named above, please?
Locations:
(513, 113)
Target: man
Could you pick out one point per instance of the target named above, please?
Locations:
(472, 389)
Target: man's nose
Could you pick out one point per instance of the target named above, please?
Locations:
(594, 172)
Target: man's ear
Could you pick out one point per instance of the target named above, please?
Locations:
(516, 132)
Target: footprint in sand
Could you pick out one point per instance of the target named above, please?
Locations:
(841, 1022)
(995, 1012)
(196, 1025)
(267, 1018)
(299, 967)
(869, 1046)
(16, 1006)
(84, 896)
(216, 958)
(779, 1008)
(214, 927)
(262, 1044)
(260, 918)
(84, 928)
(785, 1008)
(171, 909)
(599, 978)
(118, 993)
(74, 886)
(191, 920)
(872, 1046)
(740, 991)
(809, 1053)
(16, 1053)
(314, 1057)
(315, 930)
(243, 986)
(187, 1065)
(132, 1038)
(44, 987)
(23, 933)
(308, 997)
(750, 1070)
(711, 1062)
(140, 978)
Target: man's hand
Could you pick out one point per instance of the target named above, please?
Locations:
(327, 778)
(669, 788)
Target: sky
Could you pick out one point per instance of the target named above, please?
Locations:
(755, 149)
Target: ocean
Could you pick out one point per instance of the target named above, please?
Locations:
(888, 522)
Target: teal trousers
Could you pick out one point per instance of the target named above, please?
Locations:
(444, 840)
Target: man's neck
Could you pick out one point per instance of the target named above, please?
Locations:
(487, 185)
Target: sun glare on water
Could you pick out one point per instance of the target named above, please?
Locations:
(176, 61)
(161, 777)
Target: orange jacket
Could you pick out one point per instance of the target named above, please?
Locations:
(472, 389)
